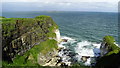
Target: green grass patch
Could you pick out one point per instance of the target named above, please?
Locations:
(110, 41)
(43, 47)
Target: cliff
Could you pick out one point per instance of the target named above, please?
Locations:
(24, 39)
(110, 54)
(108, 45)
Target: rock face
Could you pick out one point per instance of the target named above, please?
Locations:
(104, 49)
(110, 54)
(57, 35)
(50, 59)
(108, 45)
(21, 34)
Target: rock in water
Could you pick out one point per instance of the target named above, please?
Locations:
(108, 45)
(110, 54)
(64, 40)
(84, 58)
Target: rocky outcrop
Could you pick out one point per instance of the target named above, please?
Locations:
(108, 45)
(49, 59)
(61, 57)
(21, 34)
(110, 54)
(104, 49)
(64, 40)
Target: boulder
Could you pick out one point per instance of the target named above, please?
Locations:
(84, 58)
(64, 40)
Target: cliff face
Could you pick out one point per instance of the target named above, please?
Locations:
(110, 54)
(20, 35)
(108, 45)
(58, 38)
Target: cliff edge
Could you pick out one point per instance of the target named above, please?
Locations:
(25, 39)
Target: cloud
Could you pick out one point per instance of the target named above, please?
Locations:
(50, 1)
(65, 3)
(19, 0)
(49, 5)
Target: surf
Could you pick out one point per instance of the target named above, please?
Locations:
(80, 50)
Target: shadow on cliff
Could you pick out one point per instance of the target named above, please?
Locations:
(111, 61)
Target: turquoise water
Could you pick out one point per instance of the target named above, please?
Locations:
(90, 26)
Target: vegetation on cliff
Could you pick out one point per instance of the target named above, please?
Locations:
(110, 41)
(31, 56)
(110, 59)
(24, 38)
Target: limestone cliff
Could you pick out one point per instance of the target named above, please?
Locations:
(58, 38)
(28, 37)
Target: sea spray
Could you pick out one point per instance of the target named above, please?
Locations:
(89, 50)
(79, 50)
(68, 56)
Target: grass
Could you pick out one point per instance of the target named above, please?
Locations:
(2, 17)
(8, 24)
(110, 41)
(42, 26)
(24, 60)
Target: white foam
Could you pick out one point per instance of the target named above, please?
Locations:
(69, 40)
(86, 48)
(65, 58)
(83, 50)
(88, 62)
(97, 45)
(61, 45)
(65, 37)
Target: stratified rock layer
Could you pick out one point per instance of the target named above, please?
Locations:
(20, 34)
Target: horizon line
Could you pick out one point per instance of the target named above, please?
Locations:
(60, 11)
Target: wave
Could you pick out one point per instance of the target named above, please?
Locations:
(81, 48)
(87, 49)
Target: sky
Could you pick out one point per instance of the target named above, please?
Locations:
(60, 5)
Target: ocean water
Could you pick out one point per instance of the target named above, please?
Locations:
(84, 30)
(90, 26)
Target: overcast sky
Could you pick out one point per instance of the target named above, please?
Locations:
(60, 5)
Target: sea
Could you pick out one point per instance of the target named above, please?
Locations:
(84, 30)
